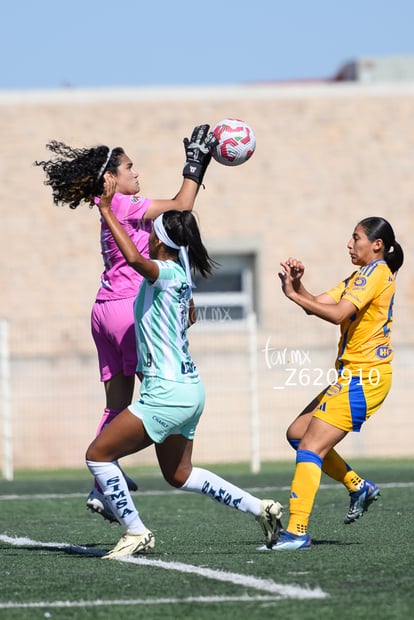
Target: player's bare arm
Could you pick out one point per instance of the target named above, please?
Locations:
(322, 306)
(147, 268)
(183, 201)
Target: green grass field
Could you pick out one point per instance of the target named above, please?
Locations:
(205, 564)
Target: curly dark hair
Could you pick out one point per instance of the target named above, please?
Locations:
(75, 174)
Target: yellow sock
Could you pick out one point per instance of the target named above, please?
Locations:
(334, 466)
(304, 487)
(352, 481)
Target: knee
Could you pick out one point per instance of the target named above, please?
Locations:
(92, 454)
(89, 456)
(176, 478)
(292, 431)
(173, 481)
(292, 441)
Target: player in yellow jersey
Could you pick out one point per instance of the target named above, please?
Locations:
(362, 305)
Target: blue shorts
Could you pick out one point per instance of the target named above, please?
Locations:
(349, 402)
(169, 408)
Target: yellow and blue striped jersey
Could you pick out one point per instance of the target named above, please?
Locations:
(365, 336)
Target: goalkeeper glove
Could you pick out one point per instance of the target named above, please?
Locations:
(198, 153)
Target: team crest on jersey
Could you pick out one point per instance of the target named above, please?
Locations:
(360, 281)
(333, 389)
(383, 352)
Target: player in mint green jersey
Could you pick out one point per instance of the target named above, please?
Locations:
(172, 393)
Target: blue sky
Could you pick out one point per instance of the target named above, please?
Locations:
(98, 43)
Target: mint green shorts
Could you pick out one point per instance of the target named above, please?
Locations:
(169, 408)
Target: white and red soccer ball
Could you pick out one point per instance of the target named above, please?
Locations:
(237, 142)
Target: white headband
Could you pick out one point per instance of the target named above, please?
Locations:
(104, 165)
(182, 250)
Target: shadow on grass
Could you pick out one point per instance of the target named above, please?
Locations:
(337, 543)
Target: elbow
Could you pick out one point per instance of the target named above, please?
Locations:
(183, 203)
(132, 260)
(337, 320)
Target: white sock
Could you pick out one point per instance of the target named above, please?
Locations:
(209, 484)
(115, 489)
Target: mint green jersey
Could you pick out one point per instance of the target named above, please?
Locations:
(161, 320)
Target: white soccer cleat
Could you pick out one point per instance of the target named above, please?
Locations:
(97, 502)
(269, 521)
(289, 542)
(131, 544)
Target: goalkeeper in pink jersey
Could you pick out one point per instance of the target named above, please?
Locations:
(77, 175)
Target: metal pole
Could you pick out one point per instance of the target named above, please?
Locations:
(5, 400)
(254, 401)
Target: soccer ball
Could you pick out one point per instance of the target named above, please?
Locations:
(237, 142)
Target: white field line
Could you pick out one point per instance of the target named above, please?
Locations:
(279, 590)
(246, 581)
(262, 490)
(243, 598)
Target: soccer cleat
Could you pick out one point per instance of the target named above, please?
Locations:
(98, 503)
(131, 544)
(289, 542)
(361, 501)
(269, 520)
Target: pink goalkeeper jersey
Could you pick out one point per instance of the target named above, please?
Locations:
(118, 280)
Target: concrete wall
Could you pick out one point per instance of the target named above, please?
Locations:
(327, 156)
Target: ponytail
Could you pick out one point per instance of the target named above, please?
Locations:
(182, 228)
(379, 228)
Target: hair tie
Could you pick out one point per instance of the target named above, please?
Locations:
(391, 249)
(104, 165)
